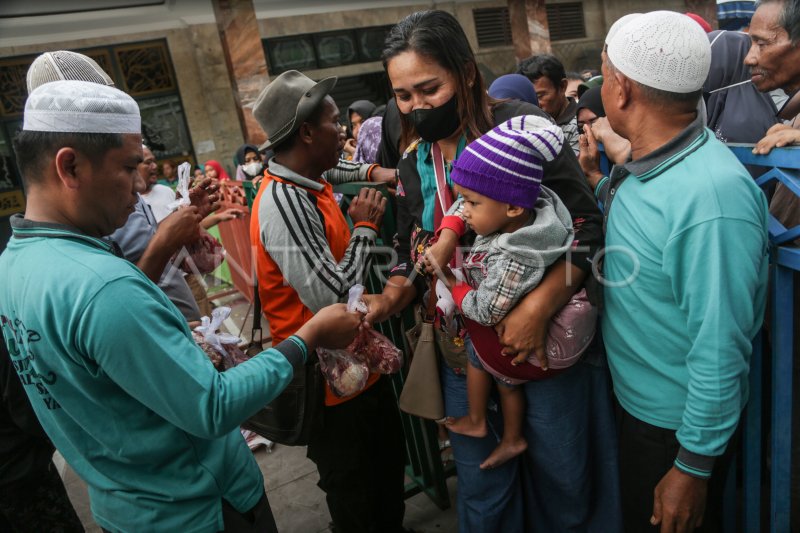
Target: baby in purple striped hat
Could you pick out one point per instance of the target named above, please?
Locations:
(522, 228)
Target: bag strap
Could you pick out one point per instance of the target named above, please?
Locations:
(430, 307)
(442, 190)
(256, 316)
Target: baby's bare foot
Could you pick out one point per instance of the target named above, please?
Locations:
(464, 426)
(507, 449)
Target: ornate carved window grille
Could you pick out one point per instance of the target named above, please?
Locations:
(143, 70)
(324, 49)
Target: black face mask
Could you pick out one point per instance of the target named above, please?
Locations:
(436, 123)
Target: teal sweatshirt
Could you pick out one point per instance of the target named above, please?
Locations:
(127, 397)
(686, 279)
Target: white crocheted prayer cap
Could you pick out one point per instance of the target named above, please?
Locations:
(65, 65)
(619, 24)
(664, 50)
(81, 107)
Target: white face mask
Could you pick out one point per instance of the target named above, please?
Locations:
(253, 169)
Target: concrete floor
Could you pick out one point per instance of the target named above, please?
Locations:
(290, 478)
(298, 504)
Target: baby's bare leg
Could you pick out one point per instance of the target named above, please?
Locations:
(479, 385)
(513, 443)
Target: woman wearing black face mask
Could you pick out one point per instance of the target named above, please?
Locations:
(443, 106)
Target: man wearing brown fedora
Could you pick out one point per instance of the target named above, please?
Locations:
(307, 258)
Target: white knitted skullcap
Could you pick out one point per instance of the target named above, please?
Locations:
(65, 65)
(664, 50)
(81, 107)
(619, 24)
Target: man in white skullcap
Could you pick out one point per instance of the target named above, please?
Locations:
(685, 274)
(139, 238)
(107, 361)
(65, 65)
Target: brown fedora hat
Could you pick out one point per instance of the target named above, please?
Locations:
(286, 102)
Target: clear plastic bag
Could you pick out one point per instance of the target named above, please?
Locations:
(345, 374)
(347, 370)
(221, 348)
(380, 354)
(205, 255)
(182, 188)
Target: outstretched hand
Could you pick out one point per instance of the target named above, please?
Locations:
(179, 229)
(378, 309)
(205, 196)
(368, 206)
(332, 327)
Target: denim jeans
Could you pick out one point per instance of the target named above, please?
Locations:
(488, 500)
(568, 480)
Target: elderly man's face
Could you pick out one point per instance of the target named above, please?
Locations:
(148, 169)
(773, 60)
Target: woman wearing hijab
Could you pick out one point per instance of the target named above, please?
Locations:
(249, 163)
(737, 111)
(515, 87)
(215, 171)
(590, 108)
(358, 112)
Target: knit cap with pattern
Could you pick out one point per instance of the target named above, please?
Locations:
(505, 164)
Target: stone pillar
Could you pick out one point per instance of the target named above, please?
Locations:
(244, 55)
(529, 27)
(706, 9)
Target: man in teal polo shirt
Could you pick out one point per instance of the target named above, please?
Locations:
(685, 274)
(108, 362)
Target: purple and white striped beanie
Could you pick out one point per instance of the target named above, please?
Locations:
(505, 164)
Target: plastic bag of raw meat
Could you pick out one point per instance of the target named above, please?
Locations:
(222, 348)
(347, 370)
(204, 255)
(380, 354)
(345, 374)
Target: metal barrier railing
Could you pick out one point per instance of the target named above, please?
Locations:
(235, 236)
(767, 421)
(772, 419)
